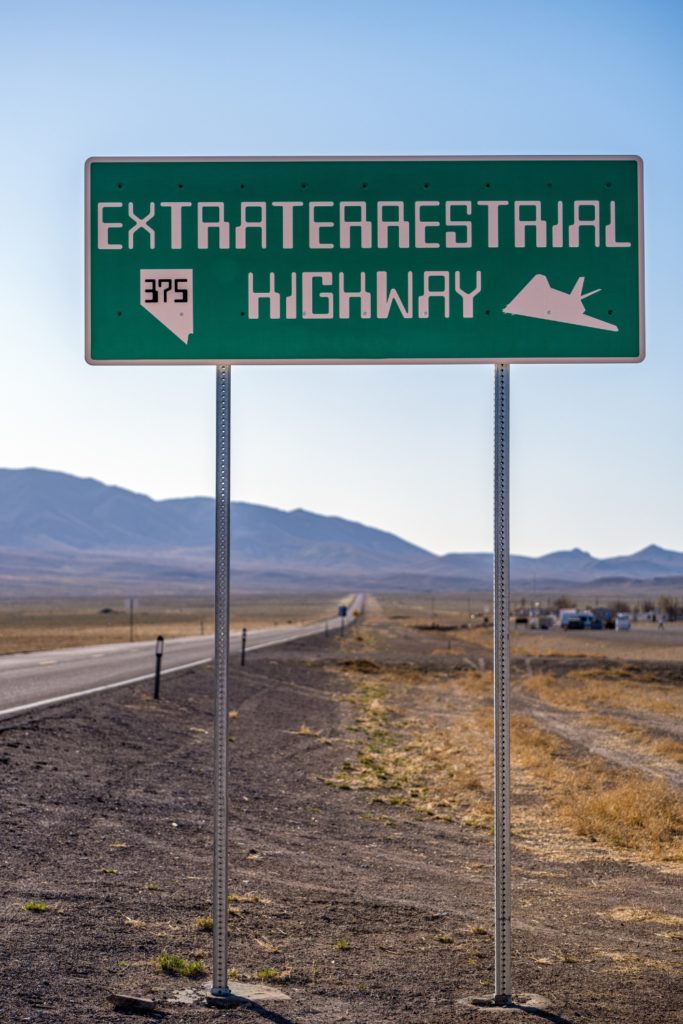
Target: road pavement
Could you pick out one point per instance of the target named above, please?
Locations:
(38, 679)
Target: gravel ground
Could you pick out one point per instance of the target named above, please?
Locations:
(361, 913)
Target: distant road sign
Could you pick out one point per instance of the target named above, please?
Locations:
(342, 260)
(342, 611)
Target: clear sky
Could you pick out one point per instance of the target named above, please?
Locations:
(596, 450)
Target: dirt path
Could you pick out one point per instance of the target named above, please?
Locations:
(361, 912)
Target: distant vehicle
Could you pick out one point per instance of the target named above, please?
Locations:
(623, 621)
(580, 620)
(606, 616)
(565, 615)
(541, 621)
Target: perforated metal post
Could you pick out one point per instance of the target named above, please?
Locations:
(222, 638)
(501, 685)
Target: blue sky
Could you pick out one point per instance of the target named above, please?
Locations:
(596, 450)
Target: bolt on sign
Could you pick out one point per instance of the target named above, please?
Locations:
(345, 260)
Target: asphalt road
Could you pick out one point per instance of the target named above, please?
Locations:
(31, 681)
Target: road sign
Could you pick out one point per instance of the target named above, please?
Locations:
(342, 611)
(343, 260)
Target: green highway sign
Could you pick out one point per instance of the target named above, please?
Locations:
(368, 259)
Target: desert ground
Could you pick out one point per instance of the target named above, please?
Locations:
(64, 622)
(360, 835)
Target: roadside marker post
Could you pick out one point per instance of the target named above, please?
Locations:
(343, 260)
(243, 654)
(130, 604)
(159, 651)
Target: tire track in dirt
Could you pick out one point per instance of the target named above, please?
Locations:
(571, 726)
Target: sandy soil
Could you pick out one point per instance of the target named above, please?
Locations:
(366, 912)
(32, 626)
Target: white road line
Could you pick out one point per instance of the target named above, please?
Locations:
(10, 712)
(314, 629)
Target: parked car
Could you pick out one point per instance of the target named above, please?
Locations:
(606, 616)
(622, 621)
(565, 614)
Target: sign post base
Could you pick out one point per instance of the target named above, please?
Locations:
(526, 1002)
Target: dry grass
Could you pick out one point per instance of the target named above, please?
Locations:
(621, 809)
(613, 688)
(60, 624)
(248, 897)
(425, 609)
(644, 642)
(634, 814)
(643, 914)
(631, 736)
(408, 756)
(405, 761)
(267, 945)
(306, 730)
(634, 963)
(272, 974)
(64, 623)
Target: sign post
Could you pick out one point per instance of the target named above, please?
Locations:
(342, 260)
(501, 680)
(220, 987)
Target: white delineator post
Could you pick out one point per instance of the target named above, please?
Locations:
(222, 639)
(501, 684)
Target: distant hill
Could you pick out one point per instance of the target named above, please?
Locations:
(61, 533)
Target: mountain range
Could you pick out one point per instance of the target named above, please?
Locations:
(64, 534)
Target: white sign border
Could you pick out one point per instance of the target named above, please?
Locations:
(356, 159)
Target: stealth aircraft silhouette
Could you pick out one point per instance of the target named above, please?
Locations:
(537, 299)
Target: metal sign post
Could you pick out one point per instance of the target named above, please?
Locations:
(501, 681)
(222, 637)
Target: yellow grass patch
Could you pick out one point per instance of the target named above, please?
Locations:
(60, 623)
(247, 897)
(591, 688)
(623, 809)
(408, 756)
(438, 772)
(636, 737)
(268, 946)
(643, 914)
(634, 963)
(304, 730)
(642, 643)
